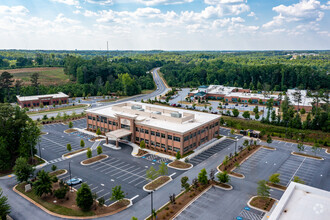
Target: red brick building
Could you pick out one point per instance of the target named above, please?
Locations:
(37, 100)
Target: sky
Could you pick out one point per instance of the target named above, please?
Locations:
(165, 24)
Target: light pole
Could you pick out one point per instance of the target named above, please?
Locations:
(70, 176)
(39, 148)
(152, 207)
(236, 144)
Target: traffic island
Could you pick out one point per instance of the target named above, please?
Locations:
(141, 153)
(276, 186)
(70, 130)
(179, 165)
(67, 207)
(94, 159)
(74, 153)
(58, 172)
(263, 204)
(307, 155)
(157, 183)
(268, 148)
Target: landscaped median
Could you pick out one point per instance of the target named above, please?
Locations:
(67, 207)
(276, 186)
(94, 159)
(70, 130)
(260, 203)
(179, 165)
(268, 148)
(74, 153)
(307, 155)
(58, 172)
(157, 183)
(141, 153)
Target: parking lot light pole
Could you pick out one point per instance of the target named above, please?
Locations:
(70, 176)
(39, 149)
(236, 144)
(152, 208)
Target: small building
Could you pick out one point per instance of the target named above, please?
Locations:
(163, 128)
(37, 100)
(302, 202)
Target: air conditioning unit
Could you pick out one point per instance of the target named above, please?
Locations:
(176, 115)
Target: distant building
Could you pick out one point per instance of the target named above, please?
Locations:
(164, 128)
(302, 202)
(37, 100)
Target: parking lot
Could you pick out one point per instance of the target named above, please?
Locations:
(81, 123)
(211, 151)
(155, 159)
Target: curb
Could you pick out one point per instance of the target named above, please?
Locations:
(73, 155)
(113, 148)
(293, 153)
(147, 190)
(66, 171)
(94, 161)
(227, 189)
(265, 147)
(252, 207)
(273, 187)
(231, 174)
(191, 166)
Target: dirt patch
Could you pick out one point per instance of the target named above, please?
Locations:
(263, 203)
(141, 153)
(157, 182)
(307, 155)
(74, 152)
(57, 172)
(179, 164)
(277, 186)
(267, 147)
(68, 206)
(29, 70)
(94, 159)
(70, 130)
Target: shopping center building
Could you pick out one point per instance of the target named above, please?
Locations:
(37, 100)
(164, 128)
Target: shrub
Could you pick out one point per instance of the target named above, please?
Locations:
(178, 155)
(89, 153)
(99, 150)
(202, 177)
(84, 197)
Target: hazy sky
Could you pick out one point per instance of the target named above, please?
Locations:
(165, 24)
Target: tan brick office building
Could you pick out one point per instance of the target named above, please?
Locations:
(165, 128)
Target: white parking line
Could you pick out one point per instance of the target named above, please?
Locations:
(99, 191)
(94, 188)
(140, 182)
(120, 169)
(104, 195)
(296, 170)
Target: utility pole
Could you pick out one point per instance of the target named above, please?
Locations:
(39, 148)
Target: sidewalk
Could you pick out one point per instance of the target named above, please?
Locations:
(159, 154)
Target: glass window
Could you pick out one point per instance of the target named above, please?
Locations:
(176, 149)
(169, 147)
(176, 139)
(163, 135)
(152, 133)
(137, 129)
(147, 141)
(93, 118)
(157, 144)
(137, 138)
(110, 122)
(169, 137)
(142, 130)
(157, 134)
(146, 131)
(90, 117)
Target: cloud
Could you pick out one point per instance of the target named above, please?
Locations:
(67, 2)
(216, 2)
(14, 10)
(163, 2)
(60, 18)
(100, 2)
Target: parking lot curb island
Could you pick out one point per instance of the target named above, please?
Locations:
(94, 161)
(261, 210)
(147, 190)
(180, 168)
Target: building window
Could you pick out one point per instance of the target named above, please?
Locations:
(176, 149)
(163, 135)
(152, 133)
(195, 134)
(147, 141)
(157, 134)
(137, 129)
(199, 132)
(125, 126)
(176, 139)
(216, 124)
(152, 143)
(90, 117)
(190, 136)
(136, 138)
(169, 147)
(146, 131)
(169, 137)
(157, 144)
(142, 130)
(98, 119)
(110, 122)
(90, 126)
(93, 118)
(163, 146)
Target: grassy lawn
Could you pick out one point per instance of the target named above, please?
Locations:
(146, 91)
(58, 109)
(47, 75)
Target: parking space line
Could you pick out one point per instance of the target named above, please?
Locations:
(99, 191)
(141, 182)
(297, 170)
(103, 195)
(120, 169)
(94, 188)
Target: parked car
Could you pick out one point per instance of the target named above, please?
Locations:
(242, 105)
(246, 105)
(74, 181)
(236, 104)
(226, 103)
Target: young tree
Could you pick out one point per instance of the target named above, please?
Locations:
(54, 167)
(101, 201)
(246, 114)
(245, 143)
(223, 177)
(225, 161)
(256, 110)
(98, 131)
(70, 124)
(4, 206)
(142, 144)
(184, 183)
(202, 177)
(263, 189)
(89, 153)
(117, 193)
(275, 178)
(43, 184)
(22, 170)
(82, 143)
(99, 150)
(151, 173)
(84, 197)
(60, 193)
(269, 140)
(235, 112)
(162, 169)
(68, 147)
(300, 147)
(178, 155)
(232, 131)
(297, 180)
(134, 218)
(315, 148)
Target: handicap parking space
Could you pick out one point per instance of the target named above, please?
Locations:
(211, 151)
(303, 167)
(156, 159)
(250, 214)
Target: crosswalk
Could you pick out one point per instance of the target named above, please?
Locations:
(250, 215)
(55, 160)
(156, 159)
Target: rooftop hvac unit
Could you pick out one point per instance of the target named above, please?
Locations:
(176, 115)
(140, 109)
(158, 113)
(136, 107)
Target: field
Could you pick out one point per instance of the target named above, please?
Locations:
(47, 75)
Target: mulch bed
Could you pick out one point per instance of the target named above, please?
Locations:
(239, 159)
(277, 186)
(68, 205)
(74, 152)
(224, 185)
(141, 152)
(157, 182)
(262, 203)
(70, 130)
(270, 148)
(179, 164)
(168, 211)
(57, 172)
(94, 159)
(307, 155)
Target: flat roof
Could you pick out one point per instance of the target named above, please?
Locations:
(37, 97)
(302, 202)
(157, 116)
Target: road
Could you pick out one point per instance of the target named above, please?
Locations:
(160, 89)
